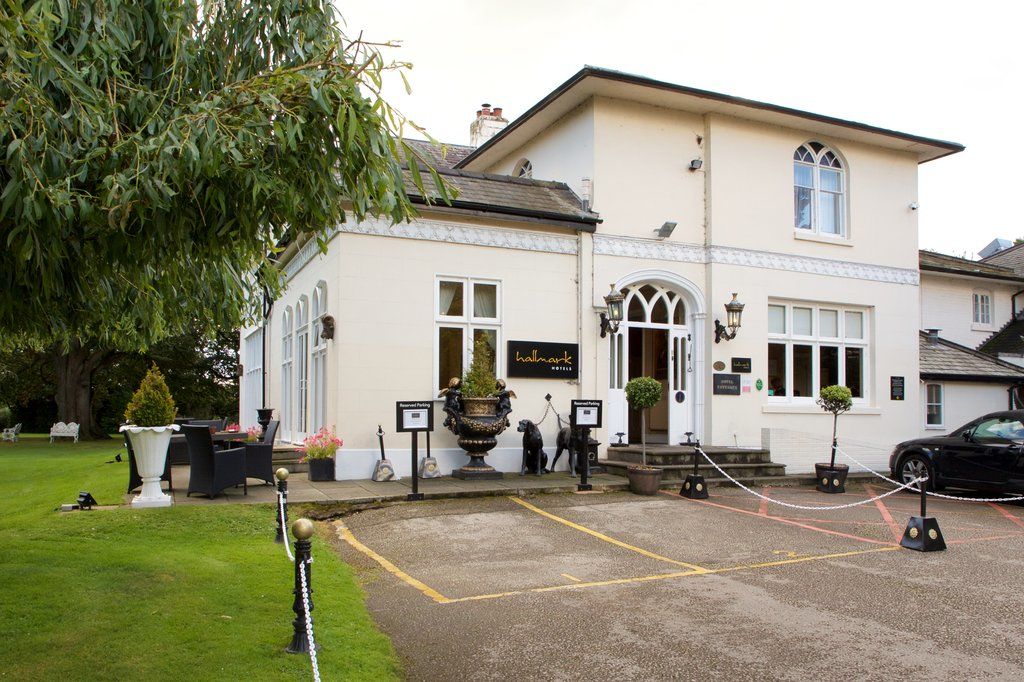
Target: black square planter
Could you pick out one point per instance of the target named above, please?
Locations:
(321, 469)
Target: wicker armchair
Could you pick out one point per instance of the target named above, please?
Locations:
(259, 461)
(210, 472)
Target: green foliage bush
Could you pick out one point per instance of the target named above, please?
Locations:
(835, 399)
(480, 381)
(152, 404)
(643, 392)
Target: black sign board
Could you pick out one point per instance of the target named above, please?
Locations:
(540, 360)
(726, 384)
(741, 365)
(585, 414)
(414, 416)
(897, 388)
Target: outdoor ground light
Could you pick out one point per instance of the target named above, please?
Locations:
(86, 500)
(733, 313)
(610, 320)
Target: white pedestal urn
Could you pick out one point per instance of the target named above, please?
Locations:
(150, 444)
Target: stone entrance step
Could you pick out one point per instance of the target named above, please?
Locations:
(676, 461)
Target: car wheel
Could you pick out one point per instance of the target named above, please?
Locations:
(915, 466)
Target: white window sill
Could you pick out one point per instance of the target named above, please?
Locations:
(784, 408)
(810, 236)
(934, 427)
(977, 327)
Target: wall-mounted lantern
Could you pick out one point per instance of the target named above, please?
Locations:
(327, 327)
(733, 313)
(610, 320)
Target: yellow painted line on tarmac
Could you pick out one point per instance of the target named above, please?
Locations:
(668, 576)
(602, 536)
(345, 534)
(572, 578)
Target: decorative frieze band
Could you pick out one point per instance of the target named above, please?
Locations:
(608, 245)
(649, 249)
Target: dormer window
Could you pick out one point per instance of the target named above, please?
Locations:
(819, 190)
(524, 169)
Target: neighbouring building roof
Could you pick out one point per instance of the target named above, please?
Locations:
(943, 360)
(1012, 258)
(1008, 340)
(931, 261)
(444, 156)
(541, 200)
(995, 246)
(593, 81)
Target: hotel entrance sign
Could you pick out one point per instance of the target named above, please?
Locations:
(541, 360)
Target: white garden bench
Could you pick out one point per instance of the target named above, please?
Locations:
(11, 434)
(62, 430)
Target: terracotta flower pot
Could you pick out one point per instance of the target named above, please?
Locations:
(644, 481)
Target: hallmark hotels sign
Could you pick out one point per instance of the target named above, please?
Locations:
(538, 360)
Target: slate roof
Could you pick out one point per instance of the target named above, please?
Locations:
(445, 156)
(538, 199)
(940, 262)
(945, 360)
(1009, 339)
(1012, 258)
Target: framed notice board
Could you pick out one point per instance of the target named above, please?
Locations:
(897, 388)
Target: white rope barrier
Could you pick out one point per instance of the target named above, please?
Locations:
(807, 507)
(284, 527)
(309, 622)
(929, 492)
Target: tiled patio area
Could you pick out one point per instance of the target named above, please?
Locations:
(301, 489)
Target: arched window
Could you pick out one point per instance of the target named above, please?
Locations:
(287, 358)
(301, 368)
(523, 169)
(318, 365)
(819, 190)
(654, 304)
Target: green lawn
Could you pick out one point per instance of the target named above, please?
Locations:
(185, 592)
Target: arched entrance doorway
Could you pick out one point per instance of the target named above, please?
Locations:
(660, 336)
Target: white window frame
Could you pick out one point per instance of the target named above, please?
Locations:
(318, 360)
(302, 347)
(252, 378)
(981, 309)
(815, 340)
(942, 405)
(468, 322)
(817, 192)
(287, 365)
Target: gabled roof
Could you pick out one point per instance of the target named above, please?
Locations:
(1008, 340)
(943, 360)
(931, 261)
(541, 200)
(444, 156)
(593, 81)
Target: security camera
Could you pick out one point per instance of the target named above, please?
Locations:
(913, 206)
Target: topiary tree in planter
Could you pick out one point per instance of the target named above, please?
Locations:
(835, 400)
(150, 416)
(480, 381)
(643, 393)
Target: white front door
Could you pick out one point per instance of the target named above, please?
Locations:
(680, 368)
(618, 369)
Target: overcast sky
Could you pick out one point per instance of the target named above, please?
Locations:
(940, 69)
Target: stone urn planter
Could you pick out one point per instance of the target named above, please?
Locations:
(644, 480)
(150, 444)
(477, 422)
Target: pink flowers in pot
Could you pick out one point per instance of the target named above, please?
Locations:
(252, 434)
(321, 445)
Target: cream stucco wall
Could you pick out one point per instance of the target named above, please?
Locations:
(947, 304)
(962, 402)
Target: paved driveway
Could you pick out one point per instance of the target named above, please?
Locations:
(615, 586)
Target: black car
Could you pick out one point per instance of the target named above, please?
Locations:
(985, 454)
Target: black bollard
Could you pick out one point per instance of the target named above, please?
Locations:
(694, 487)
(583, 485)
(282, 488)
(415, 495)
(302, 529)
(922, 533)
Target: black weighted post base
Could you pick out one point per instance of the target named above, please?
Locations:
(831, 479)
(414, 497)
(583, 487)
(694, 487)
(923, 534)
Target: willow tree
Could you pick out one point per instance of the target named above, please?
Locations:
(156, 153)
